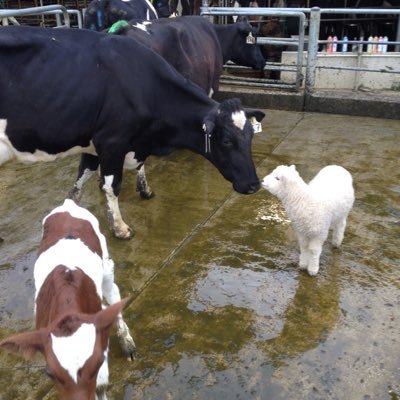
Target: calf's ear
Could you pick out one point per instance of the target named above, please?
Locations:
(105, 318)
(26, 344)
(258, 115)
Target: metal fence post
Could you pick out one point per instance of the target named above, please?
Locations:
(312, 53)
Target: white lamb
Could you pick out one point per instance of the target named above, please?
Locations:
(325, 202)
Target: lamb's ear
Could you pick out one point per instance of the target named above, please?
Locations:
(293, 167)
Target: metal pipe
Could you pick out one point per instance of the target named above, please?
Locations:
(5, 13)
(312, 53)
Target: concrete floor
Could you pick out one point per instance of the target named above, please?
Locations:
(221, 310)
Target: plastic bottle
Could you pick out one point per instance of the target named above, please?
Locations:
(369, 46)
(329, 45)
(375, 46)
(345, 45)
(334, 44)
(380, 45)
(354, 47)
(384, 46)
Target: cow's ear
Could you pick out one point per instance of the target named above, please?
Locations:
(258, 115)
(209, 121)
(242, 18)
(25, 344)
(105, 318)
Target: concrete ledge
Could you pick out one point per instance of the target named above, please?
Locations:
(377, 104)
(260, 98)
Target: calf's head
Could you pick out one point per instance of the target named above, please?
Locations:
(228, 139)
(75, 348)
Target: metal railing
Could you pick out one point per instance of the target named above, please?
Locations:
(314, 42)
(11, 15)
(299, 43)
(314, 23)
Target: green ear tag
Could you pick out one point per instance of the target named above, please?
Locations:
(117, 25)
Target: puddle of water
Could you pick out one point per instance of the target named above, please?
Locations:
(267, 293)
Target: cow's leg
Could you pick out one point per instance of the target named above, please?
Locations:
(141, 184)
(88, 166)
(111, 177)
(112, 295)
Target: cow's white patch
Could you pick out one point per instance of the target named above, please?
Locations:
(102, 376)
(151, 7)
(141, 26)
(8, 151)
(130, 161)
(121, 229)
(73, 254)
(239, 119)
(73, 351)
(79, 212)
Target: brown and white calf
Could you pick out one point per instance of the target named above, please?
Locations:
(72, 274)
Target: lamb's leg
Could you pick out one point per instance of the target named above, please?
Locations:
(315, 249)
(141, 184)
(338, 232)
(304, 255)
(112, 295)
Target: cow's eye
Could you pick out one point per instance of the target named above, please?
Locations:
(227, 143)
(49, 374)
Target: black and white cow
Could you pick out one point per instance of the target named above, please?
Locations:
(189, 44)
(198, 49)
(111, 98)
(238, 44)
(101, 14)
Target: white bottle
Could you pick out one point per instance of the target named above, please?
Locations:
(384, 46)
(345, 44)
(380, 45)
(369, 46)
(334, 44)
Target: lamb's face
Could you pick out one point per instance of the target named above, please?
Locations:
(276, 181)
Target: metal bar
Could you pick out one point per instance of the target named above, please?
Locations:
(313, 34)
(271, 85)
(5, 13)
(234, 11)
(397, 47)
(384, 71)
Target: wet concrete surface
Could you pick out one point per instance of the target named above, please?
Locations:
(220, 309)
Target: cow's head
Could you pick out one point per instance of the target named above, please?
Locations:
(101, 14)
(228, 138)
(75, 349)
(245, 50)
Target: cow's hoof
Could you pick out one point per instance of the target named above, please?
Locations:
(128, 347)
(124, 234)
(1, 240)
(146, 195)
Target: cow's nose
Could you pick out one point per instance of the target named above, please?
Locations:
(253, 188)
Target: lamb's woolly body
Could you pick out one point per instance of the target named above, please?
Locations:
(313, 208)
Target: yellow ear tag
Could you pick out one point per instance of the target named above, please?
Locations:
(250, 39)
(256, 125)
